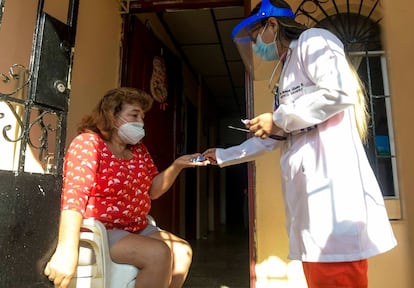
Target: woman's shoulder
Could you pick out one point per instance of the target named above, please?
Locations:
(318, 33)
(315, 39)
(88, 138)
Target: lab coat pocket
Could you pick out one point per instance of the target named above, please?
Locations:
(320, 210)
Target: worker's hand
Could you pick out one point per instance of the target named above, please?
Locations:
(262, 126)
(210, 154)
(61, 267)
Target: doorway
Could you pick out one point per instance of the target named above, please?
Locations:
(208, 207)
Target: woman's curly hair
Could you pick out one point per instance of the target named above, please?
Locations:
(102, 118)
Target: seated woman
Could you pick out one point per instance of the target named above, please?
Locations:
(109, 175)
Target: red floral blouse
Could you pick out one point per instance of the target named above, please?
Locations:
(99, 185)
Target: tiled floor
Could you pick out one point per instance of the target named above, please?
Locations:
(220, 261)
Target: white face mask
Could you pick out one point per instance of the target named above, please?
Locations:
(131, 132)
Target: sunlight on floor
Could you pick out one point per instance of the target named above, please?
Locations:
(274, 272)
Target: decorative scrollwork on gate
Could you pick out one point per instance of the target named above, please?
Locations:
(15, 73)
(9, 127)
(27, 124)
(18, 77)
(45, 129)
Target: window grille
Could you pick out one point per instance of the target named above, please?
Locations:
(357, 25)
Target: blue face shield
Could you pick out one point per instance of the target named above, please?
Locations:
(242, 37)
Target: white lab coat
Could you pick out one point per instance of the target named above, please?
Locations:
(334, 207)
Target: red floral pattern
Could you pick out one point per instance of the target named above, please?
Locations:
(99, 185)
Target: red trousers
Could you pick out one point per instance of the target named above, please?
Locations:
(336, 274)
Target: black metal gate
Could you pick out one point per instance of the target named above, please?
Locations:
(33, 123)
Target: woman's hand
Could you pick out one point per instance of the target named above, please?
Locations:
(191, 160)
(61, 267)
(163, 181)
(262, 126)
(210, 154)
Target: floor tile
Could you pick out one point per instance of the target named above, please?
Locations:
(221, 260)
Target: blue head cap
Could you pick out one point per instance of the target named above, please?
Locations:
(266, 10)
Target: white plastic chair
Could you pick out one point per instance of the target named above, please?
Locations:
(95, 267)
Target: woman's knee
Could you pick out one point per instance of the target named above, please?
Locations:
(161, 252)
(141, 253)
(187, 250)
(183, 255)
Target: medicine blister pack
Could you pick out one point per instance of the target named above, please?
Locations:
(199, 158)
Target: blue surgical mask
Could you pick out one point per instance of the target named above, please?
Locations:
(267, 52)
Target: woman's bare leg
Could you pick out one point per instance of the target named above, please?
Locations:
(182, 255)
(151, 256)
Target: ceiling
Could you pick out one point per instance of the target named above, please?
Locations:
(201, 31)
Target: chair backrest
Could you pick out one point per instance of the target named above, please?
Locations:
(93, 269)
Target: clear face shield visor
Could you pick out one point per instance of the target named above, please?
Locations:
(244, 36)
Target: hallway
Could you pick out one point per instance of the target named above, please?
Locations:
(221, 260)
